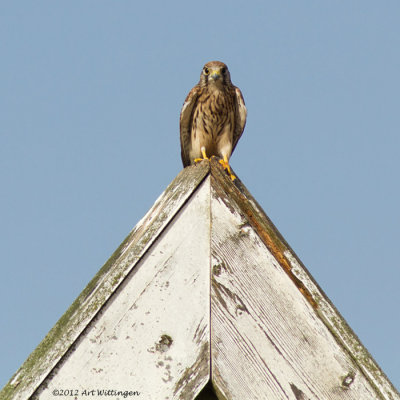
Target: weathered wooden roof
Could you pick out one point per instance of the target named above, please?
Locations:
(204, 289)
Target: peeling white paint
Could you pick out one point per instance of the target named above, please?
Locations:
(155, 326)
(267, 341)
(199, 277)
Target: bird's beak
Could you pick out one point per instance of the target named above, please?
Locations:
(215, 74)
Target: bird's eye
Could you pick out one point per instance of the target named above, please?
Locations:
(223, 70)
(206, 71)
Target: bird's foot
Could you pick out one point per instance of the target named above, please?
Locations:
(203, 153)
(225, 165)
(196, 160)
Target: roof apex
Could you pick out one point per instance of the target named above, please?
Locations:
(232, 211)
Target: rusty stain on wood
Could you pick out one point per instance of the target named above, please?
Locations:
(243, 299)
(278, 333)
(268, 234)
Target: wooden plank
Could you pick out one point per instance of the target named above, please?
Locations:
(298, 273)
(152, 336)
(343, 333)
(274, 332)
(268, 342)
(82, 311)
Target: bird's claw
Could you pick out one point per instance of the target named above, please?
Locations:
(203, 153)
(196, 160)
(225, 165)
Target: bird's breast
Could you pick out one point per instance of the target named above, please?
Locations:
(214, 111)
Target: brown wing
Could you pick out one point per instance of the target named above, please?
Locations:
(185, 124)
(241, 114)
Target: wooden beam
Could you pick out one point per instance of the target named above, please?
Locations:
(254, 307)
(204, 287)
(89, 303)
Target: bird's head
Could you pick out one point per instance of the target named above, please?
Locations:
(215, 73)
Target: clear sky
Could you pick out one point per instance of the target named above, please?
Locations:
(90, 96)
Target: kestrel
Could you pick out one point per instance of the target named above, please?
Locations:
(213, 117)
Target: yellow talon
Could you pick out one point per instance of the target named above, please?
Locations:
(225, 165)
(196, 160)
(203, 152)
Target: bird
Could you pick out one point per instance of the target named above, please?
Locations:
(212, 118)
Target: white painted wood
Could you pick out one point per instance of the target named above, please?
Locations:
(342, 331)
(71, 325)
(147, 320)
(238, 197)
(153, 335)
(267, 340)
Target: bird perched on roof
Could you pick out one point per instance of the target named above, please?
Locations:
(213, 117)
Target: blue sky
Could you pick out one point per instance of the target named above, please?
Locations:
(90, 95)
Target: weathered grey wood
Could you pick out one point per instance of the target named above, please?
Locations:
(71, 325)
(204, 287)
(267, 341)
(252, 219)
(148, 338)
